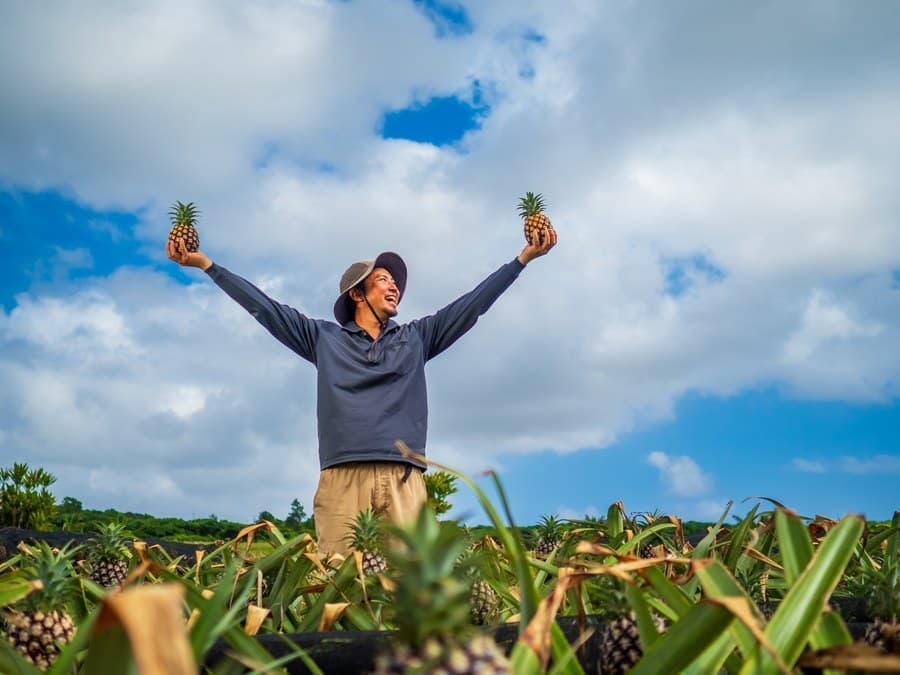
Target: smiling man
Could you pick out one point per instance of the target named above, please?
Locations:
(371, 379)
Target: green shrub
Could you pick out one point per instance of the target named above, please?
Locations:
(25, 500)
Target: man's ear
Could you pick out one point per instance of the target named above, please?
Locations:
(355, 294)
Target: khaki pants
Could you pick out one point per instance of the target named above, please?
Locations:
(346, 489)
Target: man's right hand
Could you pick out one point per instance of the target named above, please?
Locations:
(178, 252)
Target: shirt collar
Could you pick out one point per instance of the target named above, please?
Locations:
(352, 327)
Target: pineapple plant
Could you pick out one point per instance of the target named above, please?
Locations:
(431, 605)
(536, 225)
(884, 606)
(39, 625)
(366, 537)
(620, 642)
(108, 555)
(756, 584)
(184, 218)
(549, 536)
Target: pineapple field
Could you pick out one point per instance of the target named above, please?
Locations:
(768, 591)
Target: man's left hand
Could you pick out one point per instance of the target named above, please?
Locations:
(535, 249)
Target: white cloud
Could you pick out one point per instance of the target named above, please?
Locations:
(848, 464)
(824, 321)
(808, 466)
(681, 475)
(877, 465)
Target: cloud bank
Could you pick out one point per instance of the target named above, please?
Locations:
(748, 153)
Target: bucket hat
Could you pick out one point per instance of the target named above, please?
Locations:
(344, 308)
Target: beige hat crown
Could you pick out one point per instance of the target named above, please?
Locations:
(344, 308)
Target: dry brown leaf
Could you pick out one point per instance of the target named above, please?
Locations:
(151, 617)
(536, 635)
(249, 532)
(330, 614)
(360, 573)
(198, 557)
(679, 530)
(856, 656)
(141, 548)
(195, 613)
(142, 568)
(146, 565)
(255, 617)
(317, 562)
(762, 557)
(594, 549)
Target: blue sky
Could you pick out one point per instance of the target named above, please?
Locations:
(719, 320)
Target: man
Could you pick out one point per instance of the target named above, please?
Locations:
(371, 379)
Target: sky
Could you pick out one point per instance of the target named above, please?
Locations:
(718, 323)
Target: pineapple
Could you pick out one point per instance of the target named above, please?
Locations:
(484, 603)
(884, 606)
(549, 532)
(620, 642)
(108, 555)
(431, 605)
(366, 538)
(531, 209)
(184, 218)
(39, 626)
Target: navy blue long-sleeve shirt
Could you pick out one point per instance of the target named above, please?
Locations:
(371, 393)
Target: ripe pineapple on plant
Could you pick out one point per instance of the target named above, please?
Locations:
(484, 603)
(884, 606)
(39, 625)
(536, 225)
(366, 537)
(620, 642)
(549, 536)
(184, 218)
(430, 606)
(108, 555)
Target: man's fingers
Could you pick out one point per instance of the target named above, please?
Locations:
(549, 240)
(177, 250)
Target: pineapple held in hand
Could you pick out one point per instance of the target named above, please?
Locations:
(184, 218)
(537, 224)
(39, 625)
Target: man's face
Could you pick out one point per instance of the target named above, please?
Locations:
(382, 292)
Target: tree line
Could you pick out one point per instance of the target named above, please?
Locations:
(26, 502)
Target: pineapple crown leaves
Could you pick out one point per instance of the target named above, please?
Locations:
(431, 596)
(53, 569)
(109, 542)
(550, 528)
(183, 214)
(531, 204)
(881, 587)
(366, 531)
(609, 595)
